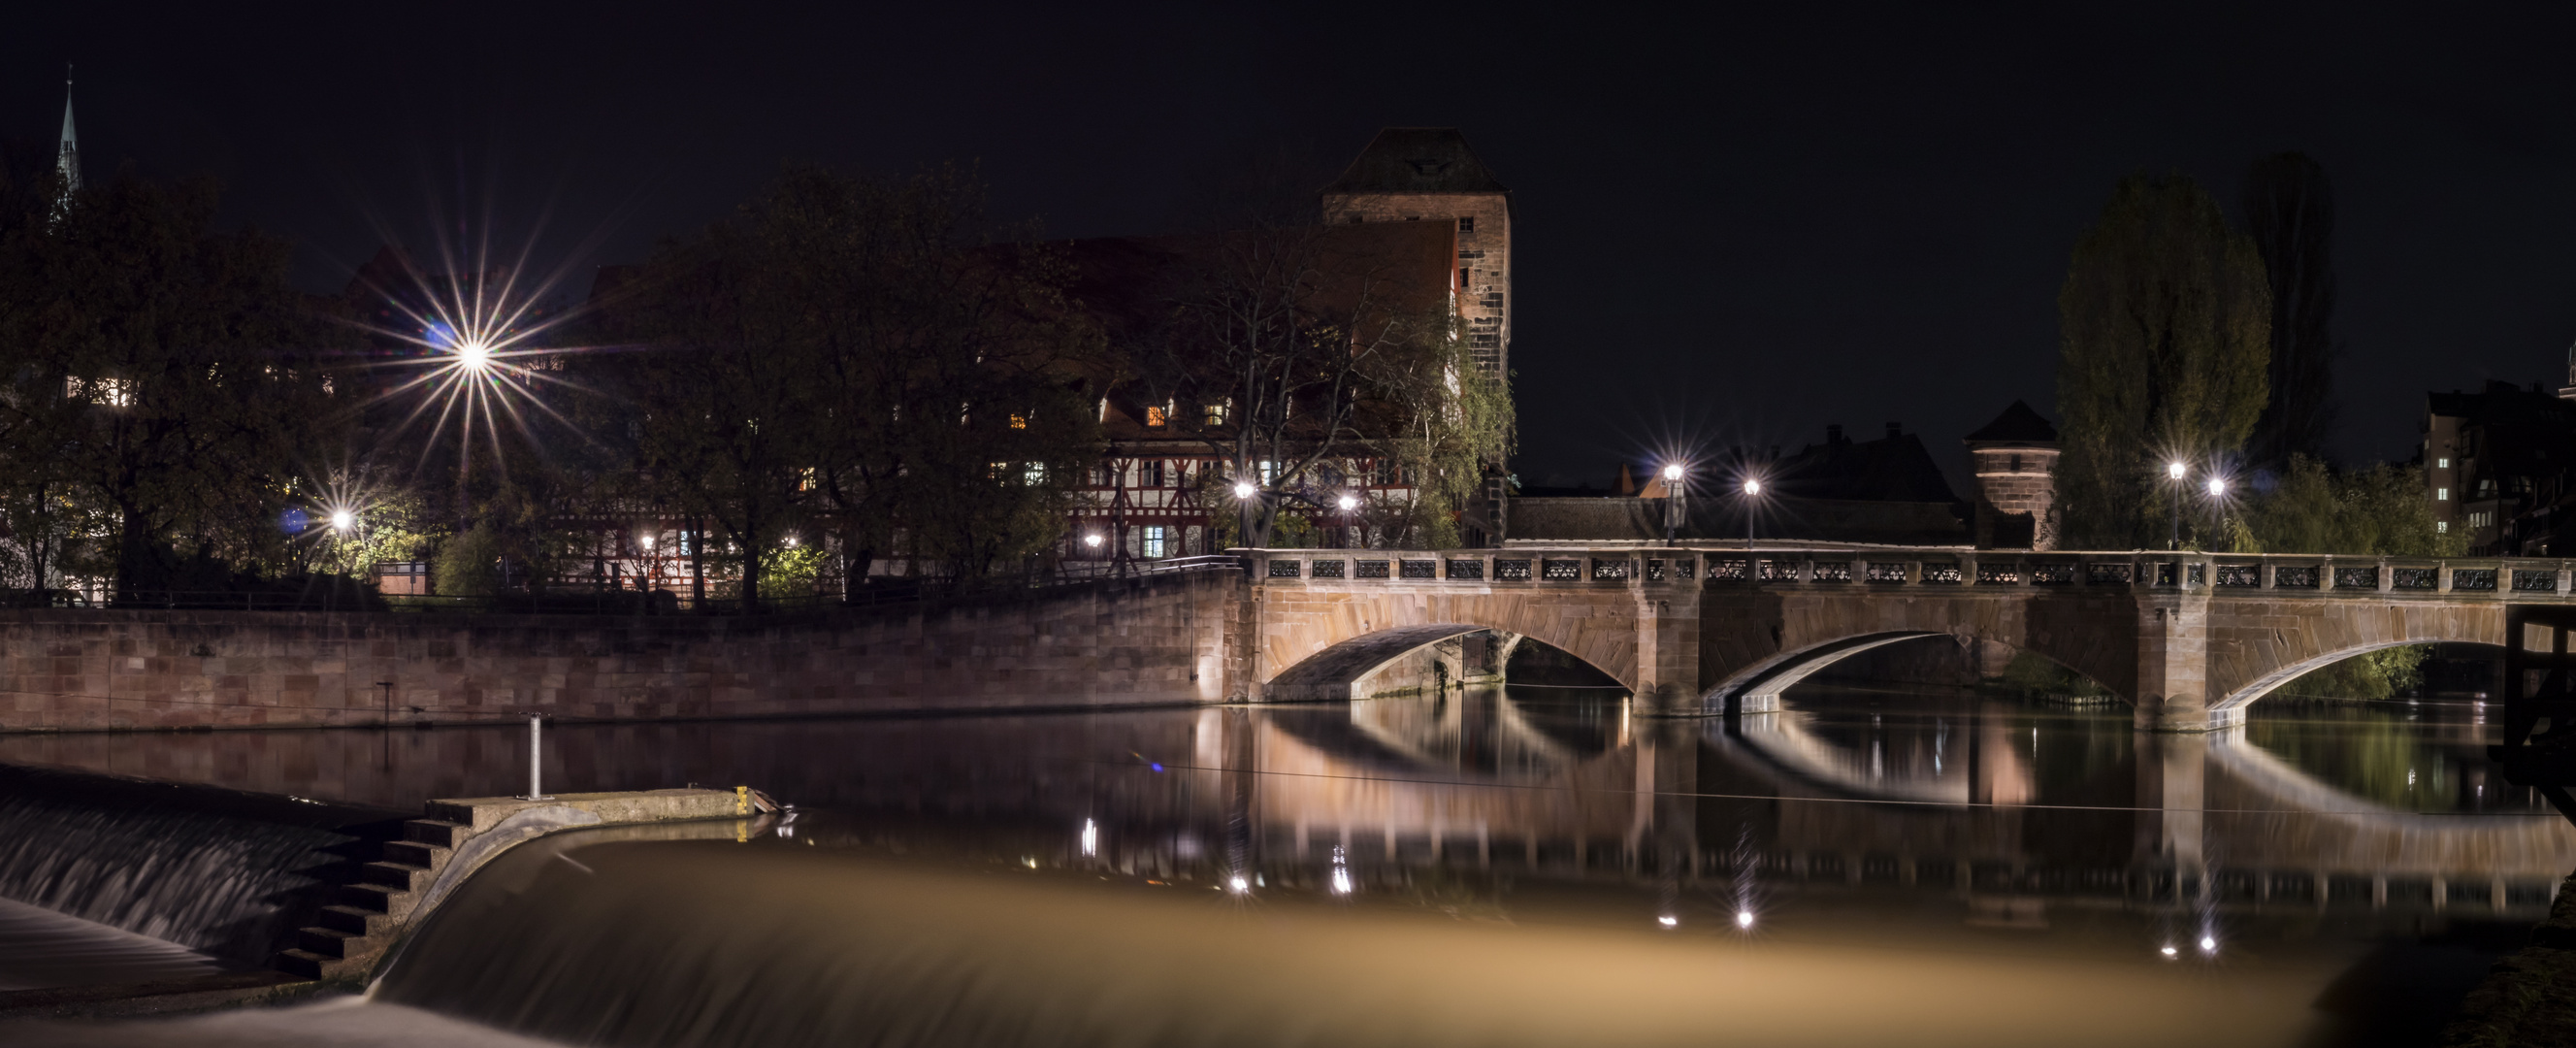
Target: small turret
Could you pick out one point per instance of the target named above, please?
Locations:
(2016, 462)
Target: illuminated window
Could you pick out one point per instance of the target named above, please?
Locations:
(1035, 474)
(2441, 463)
(1267, 467)
(1155, 418)
(1216, 414)
(1019, 422)
(2441, 527)
(1466, 223)
(2441, 494)
(1153, 542)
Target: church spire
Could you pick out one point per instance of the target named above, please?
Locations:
(67, 162)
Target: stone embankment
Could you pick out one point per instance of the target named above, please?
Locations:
(1156, 640)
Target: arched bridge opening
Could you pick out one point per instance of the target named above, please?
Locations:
(1426, 657)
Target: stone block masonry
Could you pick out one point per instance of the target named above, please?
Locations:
(1160, 639)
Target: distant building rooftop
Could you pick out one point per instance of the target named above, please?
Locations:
(1417, 160)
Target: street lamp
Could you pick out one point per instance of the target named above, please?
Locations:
(2174, 471)
(1348, 502)
(1752, 490)
(1673, 474)
(1243, 492)
(343, 520)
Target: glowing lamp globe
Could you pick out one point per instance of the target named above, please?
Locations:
(2217, 488)
(343, 520)
(1348, 503)
(1243, 489)
(473, 356)
(2174, 470)
(1752, 487)
(1091, 540)
(1673, 472)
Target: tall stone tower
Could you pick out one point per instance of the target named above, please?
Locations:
(2016, 462)
(1428, 174)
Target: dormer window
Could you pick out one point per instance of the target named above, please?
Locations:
(1156, 418)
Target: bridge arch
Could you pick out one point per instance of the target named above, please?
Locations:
(2229, 710)
(1333, 674)
(1314, 642)
(1759, 686)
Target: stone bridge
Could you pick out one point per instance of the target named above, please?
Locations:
(2189, 639)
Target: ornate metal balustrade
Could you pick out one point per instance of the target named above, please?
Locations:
(2242, 575)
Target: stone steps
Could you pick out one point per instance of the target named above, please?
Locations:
(366, 917)
(365, 920)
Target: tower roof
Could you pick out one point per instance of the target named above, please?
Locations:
(67, 157)
(2017, 425)
(1418, 160)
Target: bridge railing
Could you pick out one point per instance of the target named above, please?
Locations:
(2221, 574)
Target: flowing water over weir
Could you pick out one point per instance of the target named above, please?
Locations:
(1491, 868)
(226, 873)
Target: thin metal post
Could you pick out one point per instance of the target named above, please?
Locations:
(536, 758)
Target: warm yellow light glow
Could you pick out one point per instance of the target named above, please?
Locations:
(1744, 918)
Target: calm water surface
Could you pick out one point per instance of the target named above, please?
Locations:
(1533, 866)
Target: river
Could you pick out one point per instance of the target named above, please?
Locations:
(1521, 866)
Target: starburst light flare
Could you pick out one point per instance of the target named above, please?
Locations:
(472, 351)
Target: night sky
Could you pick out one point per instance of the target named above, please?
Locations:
(1731, 228)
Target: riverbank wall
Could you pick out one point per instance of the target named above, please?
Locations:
(1156, 640)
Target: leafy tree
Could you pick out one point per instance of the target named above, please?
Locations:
(468, 564)
(2165, 333)
(2289, 211)
(164, 371)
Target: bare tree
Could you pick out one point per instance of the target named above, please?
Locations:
(1285, 346)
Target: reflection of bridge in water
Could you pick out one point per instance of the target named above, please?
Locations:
(1485, 783)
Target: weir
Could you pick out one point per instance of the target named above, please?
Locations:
(201, 894)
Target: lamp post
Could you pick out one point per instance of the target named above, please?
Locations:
(1243, 492)
(1348, 502)
(1673, 476)
(1752, 491)
(2217, 503)
(2174, 471)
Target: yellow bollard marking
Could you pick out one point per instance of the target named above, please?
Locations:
(742, 800)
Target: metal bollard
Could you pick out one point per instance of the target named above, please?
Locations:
(536, 758)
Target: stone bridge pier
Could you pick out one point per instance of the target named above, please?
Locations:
(2190, 640)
